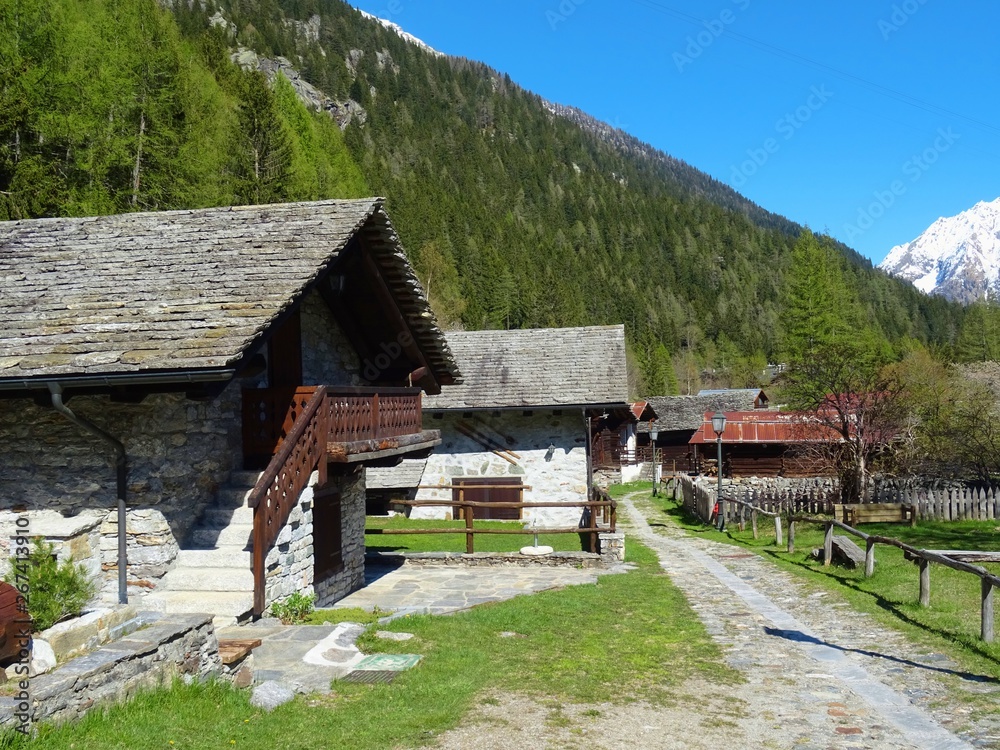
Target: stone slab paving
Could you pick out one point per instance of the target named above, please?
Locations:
(429, 590)
(829, 677)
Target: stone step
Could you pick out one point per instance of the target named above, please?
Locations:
(218, 518)
(232, 496)
(235, 535)
(208, 579)
(218, 603)
(223, 557)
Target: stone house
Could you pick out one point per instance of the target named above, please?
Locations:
(522, 419)
(152, 364)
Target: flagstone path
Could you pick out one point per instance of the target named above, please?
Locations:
(828, 675)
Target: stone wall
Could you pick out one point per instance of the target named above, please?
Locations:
(352, 516)
(173, 645)
(327, 356)
(179, 453)
(552, 460)
(290, 566)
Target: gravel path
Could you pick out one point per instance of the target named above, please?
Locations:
(819, 674)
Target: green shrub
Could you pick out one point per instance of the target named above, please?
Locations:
(294, 609)
(56, 591)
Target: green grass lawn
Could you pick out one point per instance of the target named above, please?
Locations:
(456, 542)
(628, 637)
(951, 624)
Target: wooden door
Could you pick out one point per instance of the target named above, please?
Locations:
(483, 490)
(328, 534)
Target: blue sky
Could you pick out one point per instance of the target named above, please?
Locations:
(867, 119)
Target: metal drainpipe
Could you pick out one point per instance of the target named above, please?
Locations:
(121, 466)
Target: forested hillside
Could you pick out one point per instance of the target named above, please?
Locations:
(514, 215)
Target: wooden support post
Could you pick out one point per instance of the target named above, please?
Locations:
(925, 583)
(791, 536)
(753, 522)
(986, 630)
(828, 545)
(778, 538)
(869, 557)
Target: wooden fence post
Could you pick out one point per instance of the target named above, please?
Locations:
(467, 510)
(791, 536)
(925, 583)
(986, 630)
(753, 522)
(828, 545)
(593, 531)
(869, 557)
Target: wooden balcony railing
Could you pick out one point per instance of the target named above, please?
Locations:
(292, 431)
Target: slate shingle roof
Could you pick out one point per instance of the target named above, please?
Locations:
(675, 413)
(408, 474)
(537, 368)
(180, 290)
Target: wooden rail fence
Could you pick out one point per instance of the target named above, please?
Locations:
(924, 558)
(607, 507)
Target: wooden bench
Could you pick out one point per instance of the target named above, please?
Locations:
(857, 513)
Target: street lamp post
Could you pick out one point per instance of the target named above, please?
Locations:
(718, 427)
(656, 464)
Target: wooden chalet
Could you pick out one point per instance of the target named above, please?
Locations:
(766, 444)
(149, 360)
(678, 418)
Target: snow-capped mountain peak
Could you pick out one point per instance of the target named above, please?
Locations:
(958, 257)
(396, 28)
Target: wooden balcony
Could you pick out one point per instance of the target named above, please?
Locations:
(361, 424)
(295, 431)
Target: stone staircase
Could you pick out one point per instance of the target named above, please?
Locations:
(212, 572)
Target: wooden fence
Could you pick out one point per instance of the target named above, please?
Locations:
(946, 504)
(922, 557)
(955, 503)
(605, 507)
(700, 498)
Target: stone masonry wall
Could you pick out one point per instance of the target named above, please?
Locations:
(179, 452)
(290, 565)
(327, 356)
(557, 475)
(174, 645)
(352, 513)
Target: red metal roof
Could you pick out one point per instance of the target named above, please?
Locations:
(766, 427)
(643, 411)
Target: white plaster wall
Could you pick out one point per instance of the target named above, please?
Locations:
(558, 476)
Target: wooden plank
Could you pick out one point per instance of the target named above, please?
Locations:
(232, 650)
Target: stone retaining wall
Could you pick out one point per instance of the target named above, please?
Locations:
(172, 645)
(493, 559)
